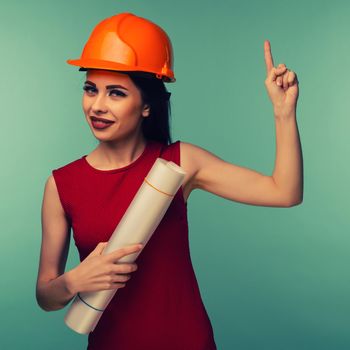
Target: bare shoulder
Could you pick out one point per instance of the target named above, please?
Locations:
(192, 158)
(51, 193)
(186, 160)
(50, 188)
(51, 184)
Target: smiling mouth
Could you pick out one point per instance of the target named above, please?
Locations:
(95, 119)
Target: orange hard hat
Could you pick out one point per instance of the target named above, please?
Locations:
(126, 42)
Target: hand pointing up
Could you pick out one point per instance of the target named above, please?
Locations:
(281, 84)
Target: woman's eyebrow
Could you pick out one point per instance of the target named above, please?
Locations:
(90, 83)
(115, 86)
(107, 87)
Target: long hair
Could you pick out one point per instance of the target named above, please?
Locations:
(153, 92)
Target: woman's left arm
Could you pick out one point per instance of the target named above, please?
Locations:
(285, 187)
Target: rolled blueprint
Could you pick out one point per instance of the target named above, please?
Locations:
(137, 225)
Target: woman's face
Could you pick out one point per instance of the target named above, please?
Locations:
(114, 97)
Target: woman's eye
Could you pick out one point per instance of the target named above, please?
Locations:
(117, 93)
(89, 89)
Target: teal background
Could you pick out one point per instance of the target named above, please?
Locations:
(270, 278)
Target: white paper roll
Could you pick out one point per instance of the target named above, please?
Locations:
(137, 225)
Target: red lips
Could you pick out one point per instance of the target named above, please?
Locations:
(101, 120)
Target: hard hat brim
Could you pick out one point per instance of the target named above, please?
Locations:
(114, 66)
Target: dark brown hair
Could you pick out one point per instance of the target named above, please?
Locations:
(153, 92)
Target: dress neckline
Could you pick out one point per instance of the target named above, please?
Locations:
(117, 170)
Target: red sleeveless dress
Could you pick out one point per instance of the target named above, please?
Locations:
(160, 307)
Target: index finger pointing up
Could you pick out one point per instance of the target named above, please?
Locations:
(268, 56)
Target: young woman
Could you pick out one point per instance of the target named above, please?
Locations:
(127, 59)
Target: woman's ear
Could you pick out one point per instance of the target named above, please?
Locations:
(146, 110)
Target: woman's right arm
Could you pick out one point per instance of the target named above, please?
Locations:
(56, 288)
(53, 290)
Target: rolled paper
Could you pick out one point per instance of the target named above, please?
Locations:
(137, 225)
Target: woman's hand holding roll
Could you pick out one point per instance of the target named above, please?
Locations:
(102, 272)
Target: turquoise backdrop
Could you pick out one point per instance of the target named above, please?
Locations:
(270, 278)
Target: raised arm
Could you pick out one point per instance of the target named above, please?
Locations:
(284, 188)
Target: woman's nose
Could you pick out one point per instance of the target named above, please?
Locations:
(99, 106)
